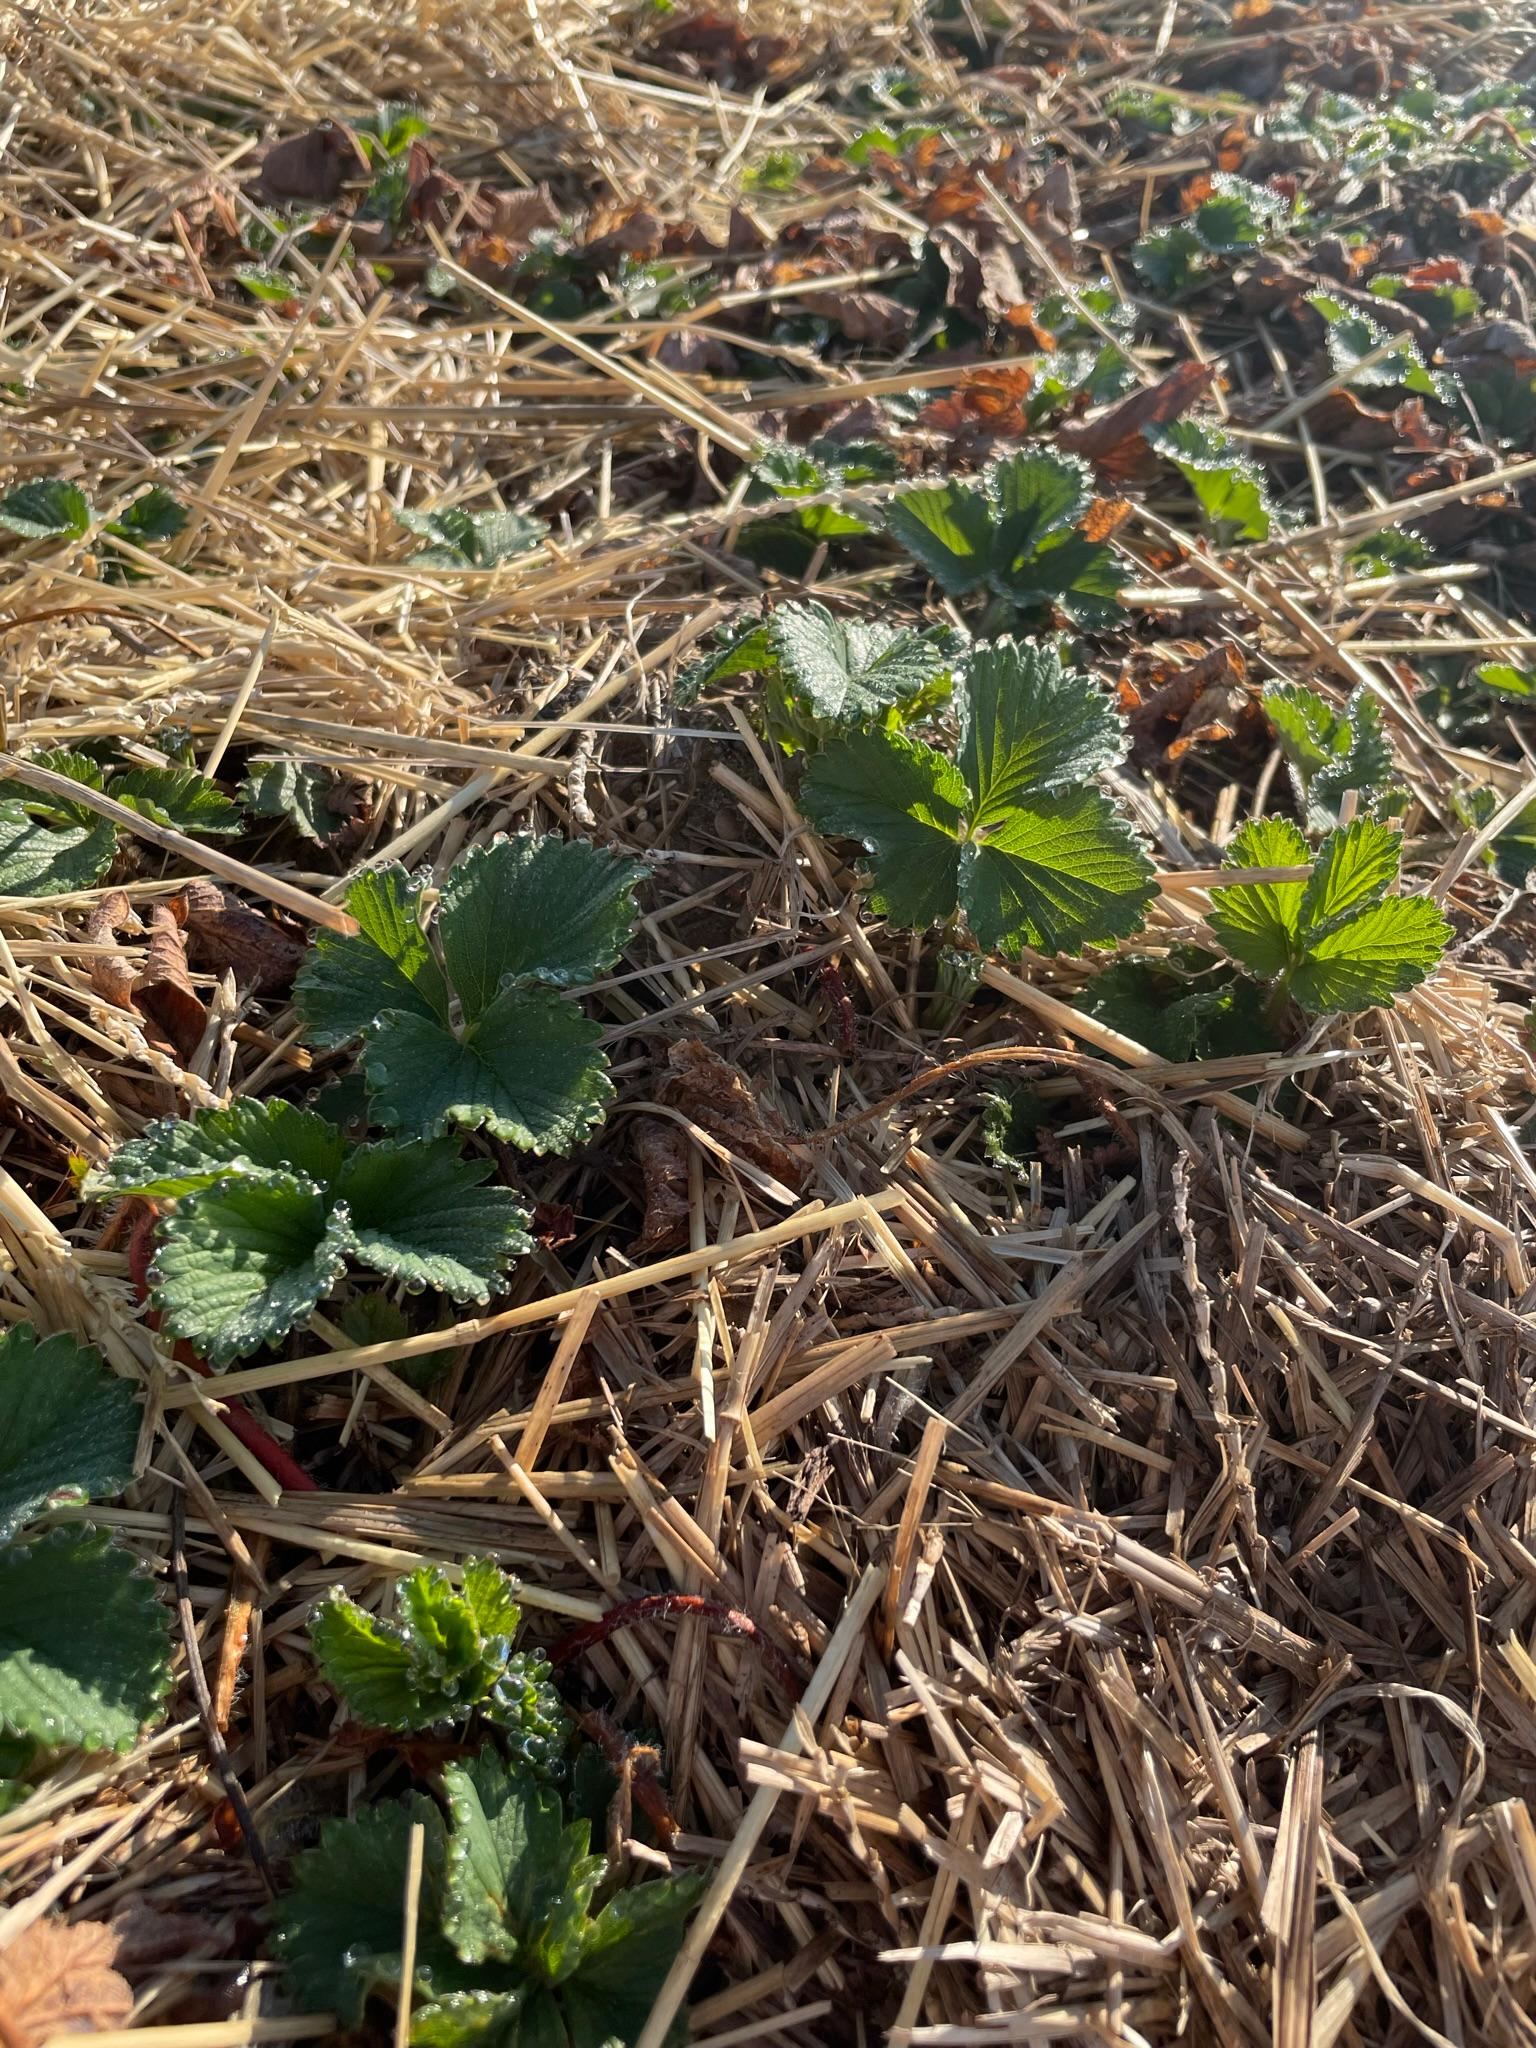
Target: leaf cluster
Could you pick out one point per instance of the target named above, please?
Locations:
(512, 1951)
(1011, 832)
(1017, 532)
(1231, 489)
(1331, 751)
(445, 1654)
(51, 845)
(50, 508)
(1338, 940)
(267, 1204)
(1235, 219)
(457, 539)
(84, 1641)
(485, 1036)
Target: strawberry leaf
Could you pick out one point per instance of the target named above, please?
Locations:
(388, 964)
(1028, 725)
(1231, 490)
(1356, 866)
(519, 1879)
(299, 791)
(246, 1260)
(1329, 751)
(179, 1155)
(470, 540)
(1512, 855)
(1369, 958)
(418, 1213)
(84, 1641)
(1057, 874)
(48, 509)
(41, 860)
(1258, 922)
(178, 797)
(847, 670)
(68, 1426)
(156, 514)
(905, 804)
(539, 905)
(528, 1069)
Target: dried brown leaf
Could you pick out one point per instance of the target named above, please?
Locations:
(313, 166)
(111, 978)
(1113, 440)
(57, 1978)
(661, 1150)
(223, 933)
(164, 991)
(719, 1098)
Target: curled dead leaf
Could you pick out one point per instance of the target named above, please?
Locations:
(984, 409)
(164, 991)
(57, 1978)
(222, 933)
(111, 976)
(661, 1151)
(313, 166)
(1113, 440)
(718, 1097)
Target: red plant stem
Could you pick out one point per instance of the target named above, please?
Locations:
(242, 1425)
(662, 1607)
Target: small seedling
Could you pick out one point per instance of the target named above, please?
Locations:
(1337, 941)
(269, 1203)
(51, 845)
(51, 509)
(1012, 833)
(509, 1949)
(446, 1655)
(489, 1037)
(1231, 490)
(1330, 752)
(1022, 531)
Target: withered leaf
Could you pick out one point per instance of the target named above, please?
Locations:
(719, 1098)
(112, 978)
(662, 1152)
(314, 165)
(57, 1978)
(1113, 440)
(223, 933)
(164, 991)
(985, 408)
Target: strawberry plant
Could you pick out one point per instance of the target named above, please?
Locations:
(446, 1655)
(457, 539)
(510, 1952)
(84, 1643)
(1011, 833)
(300, 792)
(51, 509)
(823, 673)
(1231, 490)
(1017, 532)
(788, 538)
(1329, 752)
(268, 1203)
(1512, 855)
(1371, 356)
(1235, 218)
(488, 1036)
(1337, 941)
(51, 845)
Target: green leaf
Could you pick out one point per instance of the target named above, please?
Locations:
(948, 529)
(483, 2019)
(1512, 855)
(417, 1212)
(745, 649)
(536, 904)
(433, 1664)
(156, 514)
(1173, 260)
(519, 1879)
(1059, 873)
(1370, 958)
(266, 284)
(40, 860)
(299, 791)
(1028, 725)
(905, 804)
(49, 509)
(470, 540)
(848, 670)
(1329, 751)
(181, 1154)
(1231, 490)
(528, 1069)
(1259, 922)
(341, 1921)
(178, 797)
(348, 981)
(84, 1641)
(625, 1955)
(1507, 681)
(244, 1261)
(1356, 866)
(1354, 336)
(67, 1425)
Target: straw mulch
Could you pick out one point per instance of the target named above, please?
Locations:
(1151, 1528)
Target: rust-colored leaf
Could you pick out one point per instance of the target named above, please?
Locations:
(112, 978)
(57, 1978)
(1205, 700)
(1103, 516)
(719, 1098)
(661, 1150)
(1195, 191)
(1232, 145)
(313, 166)
(223, 933)
(985, 408)
(1113, 441)
(164, 991)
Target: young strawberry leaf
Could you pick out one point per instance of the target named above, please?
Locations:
(49, 509)
(178, 797)
(1336, 941)
(68, 1426)
(519, 1879)
(1031, 860)
(156, 514)
(299, 791)
(1371, 355)
(1505, 680)
(244, 1261)
(340, 1924)
(84, 1641)
(1015, 532)
(1231, 490)
(1512, 855)
(1330, 752)
(348, 981)
(179, 1155)
(418, 1213)
(447, 1654)
(470, 540)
